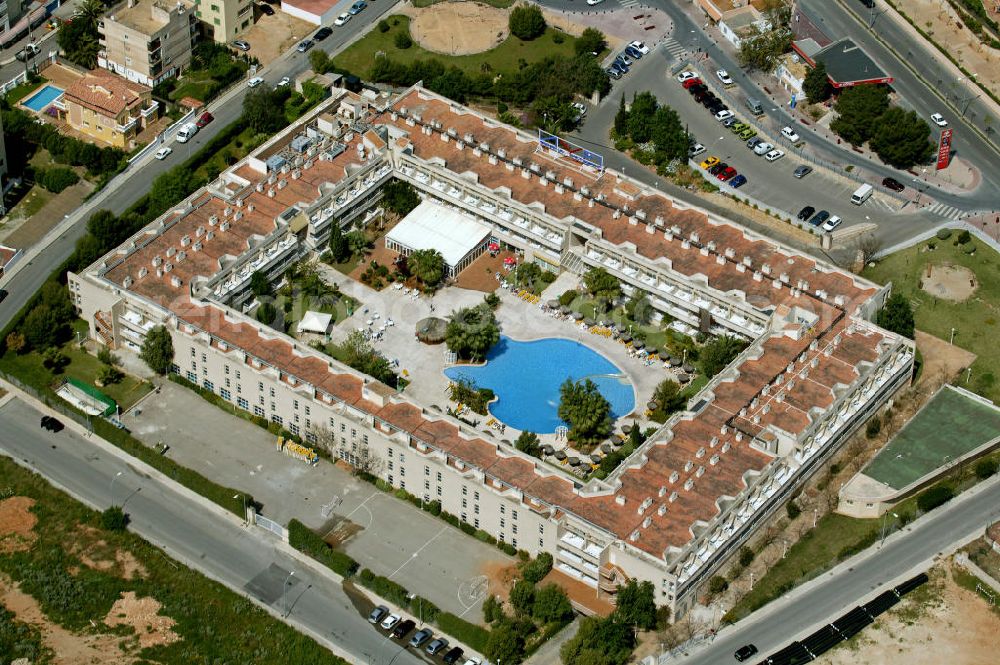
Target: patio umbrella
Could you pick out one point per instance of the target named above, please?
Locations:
(651, 351)
(553, 304)
(548, 450)
(509, 261)
(675, 361)
(564, 309)
(560, 455)
(683, 378)
(605, 324)
(652, 406)
(626, 338)
(574, 461)
(626, 428)
(588, 322)
(577, 315)
(638, 344)
(688, 367)
(507, 441)
(494, 247)
(595, 458)
(618, 442)
(606, 448)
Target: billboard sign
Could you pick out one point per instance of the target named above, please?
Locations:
(944, 149)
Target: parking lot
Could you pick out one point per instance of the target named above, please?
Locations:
(770, 182)
(387, 535)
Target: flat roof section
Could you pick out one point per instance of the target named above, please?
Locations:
(432, 226)
(847, 63)
(953, 423)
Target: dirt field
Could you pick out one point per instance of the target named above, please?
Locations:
(142, 614)
(942, 361)
(68, 648)
(17, 524)
(946, 29)
(458, 28)
(954, 283)
(956, 628)
(501, 578)
(273, 35)
(98, 555)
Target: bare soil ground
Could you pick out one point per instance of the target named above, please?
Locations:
(458, 28)
(68, 648)
(17, 524)
(956, 627)
(955, 283)
(501, 578)
(95, 553)
(273, 35)
(942, 361)
(142, 614)
(481, 273)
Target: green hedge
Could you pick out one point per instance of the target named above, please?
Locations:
(467, 633)
(394, 592)
(308, 542)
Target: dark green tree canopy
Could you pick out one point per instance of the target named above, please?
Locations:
(264, 109)
(400, 197)
(902, 138)
(816, 85)
(526, 22)
(635, 605)
(158, 350)
(427, 265)
(859, 109)
(472, 331)
(602, 284)
(718, 353)
(897, 316)
(590, 41)
(527, 442)
(586, 410)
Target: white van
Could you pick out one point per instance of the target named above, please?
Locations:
(185, 133)
(862, 194)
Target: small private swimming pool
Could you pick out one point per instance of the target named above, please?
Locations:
(41, 99)
(526, 377)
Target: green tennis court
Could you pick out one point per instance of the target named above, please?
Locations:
(950, 425)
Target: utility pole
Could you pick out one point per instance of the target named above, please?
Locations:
(284, 588)
(111, 487)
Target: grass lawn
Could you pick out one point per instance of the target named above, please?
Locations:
(358, 57)
(82, 367)
(19, 92)
(975, 320)
(214, 624)
(36, 199)
(239, 148)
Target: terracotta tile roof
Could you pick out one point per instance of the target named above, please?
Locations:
(106, 93)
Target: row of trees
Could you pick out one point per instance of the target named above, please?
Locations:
(610, 640)
(646, 121)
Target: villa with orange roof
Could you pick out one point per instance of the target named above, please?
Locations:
(815, 369)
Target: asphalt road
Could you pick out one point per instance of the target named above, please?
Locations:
(201, 538)
(856, 581)
(688, 33)
(29, 277)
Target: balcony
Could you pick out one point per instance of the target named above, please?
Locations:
(128, 126)
(151, 109)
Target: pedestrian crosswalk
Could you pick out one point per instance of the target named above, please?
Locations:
(628, 4)
(946, 211)
(674, 48)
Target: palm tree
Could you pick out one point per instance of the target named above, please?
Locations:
(90, 10)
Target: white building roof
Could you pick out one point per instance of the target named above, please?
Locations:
(316, 322)
(432, 226)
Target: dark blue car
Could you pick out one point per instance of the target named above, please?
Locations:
(738, 181)
(357, 7)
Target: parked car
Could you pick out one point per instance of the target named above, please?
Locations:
(774, 155)
(390, 622)
(723, 114)
(473, 661)
(738, 181)
(163, 153)
(726, 174)
(30, 49)
(323, 33)
(696, 150)
(819, 218)
(624, 57)
(614, 72)
(697, 87)
(730, 122)
(357, 7)
(893, 184)
(622, 62)
(686, 76)
(806, 213)
(187, 132)
(618, 67)
(420, 637)
(437, 646)
(762, 148)
(342, 19)
(3, 294)
(744, 652)
(640, 47)
(51, 424)
(241, 44)
(802, 171)
(594, 2)
(283, 82)
(254, 82)
(581, 109)
(377, 614)
(724, 76)
(204, 119)
(709, 162)
(453, 655)
(748, 133)
(633, 52)
(305, 45)
(832, 223)
(939, 120)
(718, 168)
(690, 83)
(737, 126)
(402, 629)
(717, 106)
(266, 9)
(789, 134)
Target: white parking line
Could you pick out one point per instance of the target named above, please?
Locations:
(417, 552)
(361, 505)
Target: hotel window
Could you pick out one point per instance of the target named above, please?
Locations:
(237, 375)
(513, 541)
(427, 485)
(390, 453)
(296, 417)
(295, 404)
(475, 522)
(307, 413)
(272, 391)
(439, 490)
(364, 438)
(503, 522)
(476, 496)
(439, 476)
(277, 419)
(513, 527)
(540, 543)
(294, 429)
(475, 509)
(260, 386)
(243, 403)
(226, 395)
(503, 509)
(208, 385)
(465, 490)
(465, 518)
(257, 411)
(541, 529)
(465, 503)
(390, 479)
(204, 358)
(192, 377)
(261, 400)
(427, 471)
(402, 471)
(514, 514)
(390, 465)
(194, 366)
(227, 382)
(272, 407)
(227, 370)
(192, 352)
(332, 423)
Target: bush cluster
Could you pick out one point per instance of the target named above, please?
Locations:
(307, 541)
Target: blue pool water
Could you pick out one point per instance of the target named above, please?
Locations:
(40, 101)
(526, 377)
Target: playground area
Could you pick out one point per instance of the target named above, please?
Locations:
(458, 28)
(952, 424)
(950, 282)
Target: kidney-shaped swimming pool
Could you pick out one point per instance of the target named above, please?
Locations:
(526, 377)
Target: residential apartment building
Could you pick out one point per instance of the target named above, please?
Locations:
(147, 41)
(109, 109)
(684, 501)
(225, 20)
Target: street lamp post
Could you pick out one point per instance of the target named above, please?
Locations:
(284, 589)
(884, 520)
(244, 497)
(951, 342)
(111, 487)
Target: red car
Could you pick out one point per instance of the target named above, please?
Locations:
(205, 118)
(726, 174)
(690, 83)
